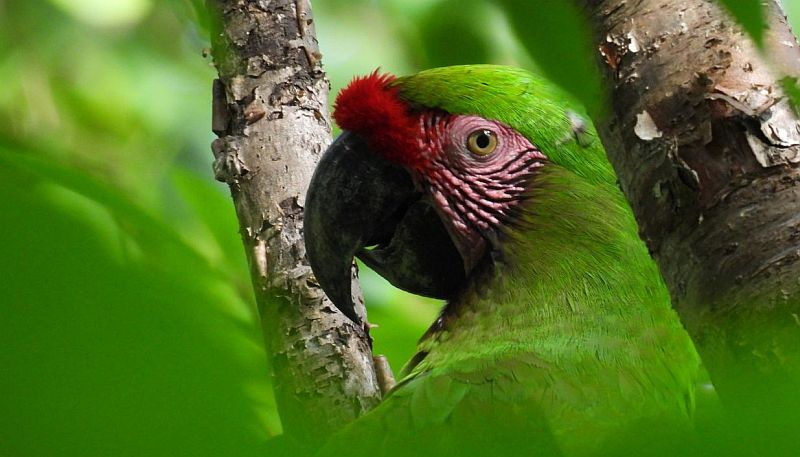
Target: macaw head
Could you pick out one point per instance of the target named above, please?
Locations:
(433, 171)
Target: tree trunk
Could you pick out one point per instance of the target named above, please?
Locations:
(707, 146)
(270, 112)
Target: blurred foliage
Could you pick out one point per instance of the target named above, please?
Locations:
(128, 323)
(558, 37)
(750, 14)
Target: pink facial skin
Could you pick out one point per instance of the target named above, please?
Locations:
(475, 195)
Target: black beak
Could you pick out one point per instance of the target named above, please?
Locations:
(357, 199)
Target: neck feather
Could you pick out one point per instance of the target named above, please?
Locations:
(572, 271)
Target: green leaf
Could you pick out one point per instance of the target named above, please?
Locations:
(792, 89)
(153, 236)
(100, 13)
(106, 354)
(457, 32)
(211, 208)
(558, 37)
(750, 15)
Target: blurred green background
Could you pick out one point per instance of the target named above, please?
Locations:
(127, 321)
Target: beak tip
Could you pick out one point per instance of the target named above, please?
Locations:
(352, 194)
(332, 270)
(343, 301)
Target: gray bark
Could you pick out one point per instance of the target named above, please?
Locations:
(270, 112)
(707, 147)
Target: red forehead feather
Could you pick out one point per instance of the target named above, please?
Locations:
(371, 107)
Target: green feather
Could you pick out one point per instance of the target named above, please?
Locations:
(567, 344)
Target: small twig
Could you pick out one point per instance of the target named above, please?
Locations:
(302, 11)
(384, 373)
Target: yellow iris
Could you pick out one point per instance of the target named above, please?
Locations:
(482, 142)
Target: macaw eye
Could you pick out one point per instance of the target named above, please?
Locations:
(482, 142)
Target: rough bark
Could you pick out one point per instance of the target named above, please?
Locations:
(707, 149)
(270, 113)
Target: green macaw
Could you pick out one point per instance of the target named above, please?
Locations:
(477, 184)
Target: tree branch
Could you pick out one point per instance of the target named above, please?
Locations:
(270, 112)
(707, 147)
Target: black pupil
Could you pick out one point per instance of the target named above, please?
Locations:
(483, 140)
